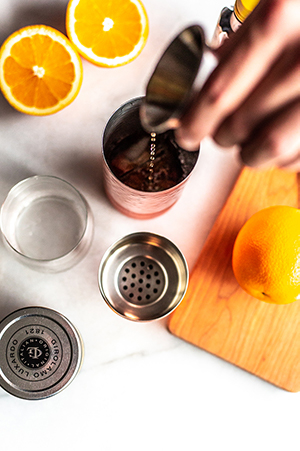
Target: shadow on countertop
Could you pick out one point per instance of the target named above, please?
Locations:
(86, 169)
(8, 304)
(45, 13)
(5, 108)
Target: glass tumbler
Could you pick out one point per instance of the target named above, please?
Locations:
(47, 223)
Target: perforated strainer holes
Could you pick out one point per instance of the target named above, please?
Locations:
(141, 281)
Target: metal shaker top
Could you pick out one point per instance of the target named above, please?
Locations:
(170, 86)
(40, 353)
(143, 276)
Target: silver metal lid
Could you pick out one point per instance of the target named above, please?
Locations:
(143, 276)
(170, 86)
(40, 353)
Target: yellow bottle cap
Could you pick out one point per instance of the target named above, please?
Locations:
(243, 8)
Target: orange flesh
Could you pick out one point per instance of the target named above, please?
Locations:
(31, 55)
(120, 39)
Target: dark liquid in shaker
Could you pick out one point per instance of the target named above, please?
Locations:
(129, 153)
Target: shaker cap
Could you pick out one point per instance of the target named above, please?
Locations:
(40, 353)
(143, 276)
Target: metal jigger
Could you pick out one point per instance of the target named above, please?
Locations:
(181, 71)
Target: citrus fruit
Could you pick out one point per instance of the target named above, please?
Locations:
(107, 33)
(266, 255)
(40, 70)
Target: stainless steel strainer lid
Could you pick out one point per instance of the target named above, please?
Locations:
(143, 276)
(40, 353)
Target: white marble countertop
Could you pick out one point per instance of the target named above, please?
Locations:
(140, 388)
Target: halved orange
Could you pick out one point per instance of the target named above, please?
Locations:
(108, 33)
(40, 70)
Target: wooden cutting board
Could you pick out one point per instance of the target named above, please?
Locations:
(218, 316)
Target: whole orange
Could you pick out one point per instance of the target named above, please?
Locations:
(266, 255)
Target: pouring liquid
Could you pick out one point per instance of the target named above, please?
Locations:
(146, 162)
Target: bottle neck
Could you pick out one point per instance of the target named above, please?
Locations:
(242, 9)
(235, 23)
(231, 19)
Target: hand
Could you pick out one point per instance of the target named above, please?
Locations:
(252, 98)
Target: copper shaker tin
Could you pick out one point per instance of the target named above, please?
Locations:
(127, 159)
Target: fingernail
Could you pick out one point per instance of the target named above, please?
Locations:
(223, 137)
(256, 156)
(184, 142)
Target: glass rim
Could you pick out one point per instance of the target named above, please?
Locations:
(82, 235)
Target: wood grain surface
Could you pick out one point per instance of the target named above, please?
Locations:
(218, 316)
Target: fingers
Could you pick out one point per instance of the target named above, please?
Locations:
(245, 59)
(276, 141)
(279, 87)
(293, 166)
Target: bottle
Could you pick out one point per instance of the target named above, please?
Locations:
(231, 19)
